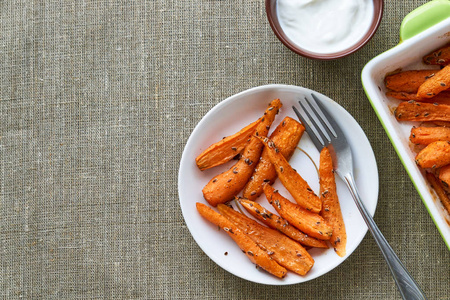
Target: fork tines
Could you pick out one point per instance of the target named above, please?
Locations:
(317, 122)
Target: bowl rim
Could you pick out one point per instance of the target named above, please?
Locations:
(272, 17)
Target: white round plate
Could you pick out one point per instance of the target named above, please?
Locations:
(227, 118)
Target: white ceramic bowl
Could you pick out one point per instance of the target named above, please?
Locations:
(422, 31)
(228, 117)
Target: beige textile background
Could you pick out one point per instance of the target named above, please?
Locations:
(98, 99)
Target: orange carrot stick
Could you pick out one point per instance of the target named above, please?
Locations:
(227, 148)
(286, 136)
(276, 222)
(444, 176)
(435, 155)
(439, 57)
(331, 209)
(416, 111)
(441, 98)
(282, 249)
(408, 81)
(247, 245)
(425, 135)
(223, 187)
(292, 181)
(310, 223)
(436, 84)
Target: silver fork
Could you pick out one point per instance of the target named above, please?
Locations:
(325, 132)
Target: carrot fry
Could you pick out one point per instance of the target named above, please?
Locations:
(444, 176)
(408, 81)
(227, 148)
(439, 57)
(436, 84)
(442, 195)
(223, 187)
(441, 98)
(425, 135)
(276, 222)
(286, 136)
(435, 155)
(256, 255)
(310, 223)
(415, 111)
(292, 181)
(442, 123)
(331, 209)
(282, 249)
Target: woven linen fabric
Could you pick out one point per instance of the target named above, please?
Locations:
(98, 99)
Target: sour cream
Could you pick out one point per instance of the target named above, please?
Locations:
(325, 26)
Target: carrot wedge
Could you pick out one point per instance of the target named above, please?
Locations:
(444, 177)
(435, 155)
(408, 81)
(283, 226)
(227, 148)
(436, 84)
(415, 111)
(442, 195)
(223, 187)
(291, 180)
(308, 222)
(286, 136)
(282, 249)
(256, 255)
(441, 98)
(331, 209)
(439, 57)
(425, 135)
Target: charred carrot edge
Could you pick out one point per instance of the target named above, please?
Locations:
(435, 155)
(247, 245)
(416, 111)
(277, 222)
(439, 57)
(436, 84)
(291, 180)
(286, 136)
(425, 135)
(441, 98)
(444, 176)
(282, 249)
(227, 148)
(408, 81)
(442, 195)
(308, 222)
(223, 187)
(331, 209)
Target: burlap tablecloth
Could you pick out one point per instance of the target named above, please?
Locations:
(98, 99)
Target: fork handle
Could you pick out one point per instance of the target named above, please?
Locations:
(408, 288)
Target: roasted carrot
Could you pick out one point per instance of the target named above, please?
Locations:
(442, 123)
(425, 135)
(277, 222)
(441, 98)
(444, 176)
(286, 136)
(408, 81)
(256, 255)
(331, 209)
(227, 148)
(306, 221)
(292, 181)
(223, 187)
(442, 195)
(439, 57)
(282, 249)
(436, 84)
(416, 111)
(435, 155)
